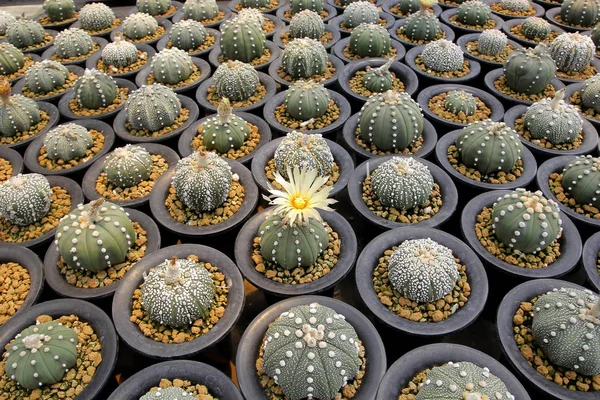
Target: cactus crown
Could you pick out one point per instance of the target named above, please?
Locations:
(45, 76)
(73, 42)
(67, 142)
(590, 92)
(127, 166)
(242, 39)
(307, 151)
(572, 52)
(25, 32)
(370, 40)
(307, 23)
(473, 13)
(360, 12)
(25, 198)
(200, 10)
(152, 108)
(491, 42)
(6, 20)
(379, 79)
(422, 25)
(251, 14)
(581, 179)
(139, 25)
(11, 59)
(235, 80)
(187, 34)
(515, 5)
(96, 17)
(59, 10)
(529, 70)
(305, 100)
(442, 56)
(120, 53)
(535, 27)
(304, 58)
(225, 131)
(95, 89)
(172, 66)
(153, 7)
(581, 13)
(459, 101)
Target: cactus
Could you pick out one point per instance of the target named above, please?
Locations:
(95, 89)
(572, 52)
(390, 121)
(187, 35)
(370, 40)
(200, 10)
(584, 13)
(25, 33)
(442, 56)
(407, 7)
(489, 147)
(306, 24)
(18, 114)
(306, 151)
(202, 181)
(581, 178)
(535, 28)
(25, 198)
(67, 142)
(139, 25)
(422, 25)
(6, 20)
(235, 80)
(153, 7)
(171, 66)
(529, 71)
(491, 42)
(120, 53)
(152, 108)
(325, 344)
(423, 270)
(95, 236)
(379, 80)
(46, 76)
(297, 6)
(360, 12)
(515, 5)
(59, 10)
(590, 93)
(252, 15)
(225, 131)
(402, 183)
(473, 13)
(242, 40)
(11, 59)
(303, 58)
(255, 3)
(526, 221)
(456, 380)
(596, 35)
(178, 292)
(459, 101)
(41, 355)
(96, 17)
(554, 120)
(305, 100)
(73, 42)
(170, 393)
(128, 166)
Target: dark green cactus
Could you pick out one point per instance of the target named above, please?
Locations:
(255, 3)
(304, 58)
(535, 28)
(572, 52)
(379, 80)
(442, 56)
(120, 53)
(242, 40)
(73, 42)
(152, 108)
(529, 71)
(187, 35)
(225, 131)
(491, 42)
(59, 10)
(554, 120)
(305, 151)
(153, 7)
(25, 198)
(590, 93)
(11, 59)
(299, 5)
(581, 179)
(407, 7)
(96, 17)
(402, 183)
(171, 66)
(200, 10)
(370, 40)
(95, 89)
(422, 25)
(18, 113)
(235, 80)
(459, 101)
(584, 13)
(139, 25)
(67, 142)
(170, 393)
(308, 24)
(596, 35)
(45, 76)
(473, 13)
(360, 12)
(305, 100)
(25, 33)
(127, 166)
(6, 20)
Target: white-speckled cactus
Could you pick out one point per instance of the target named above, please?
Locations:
(360, 12)
(554, 120)
(127, 166)
(380, 79)
(187, 35)
(11, 59)
(590, 93)
(422, 25)
(305, 151)
(311, 351)
(139, 26)
(120, 53)
(45, 76)
(73, 42)
(491, 42)
(18, 113)
(225, 131)
(25, 33)
(572, 52)
(304, 58)
(235, 80)
(59, 10)
(473, 13)
(152, 108)
(172, 66)
(423, 270)
(96, 17)
(516, 5)
(535, 28)
(95, 89)
(67, 142)
(251, 15)
(255, 3)
(581, 179)
(153, 7)
(170, 393)
(370, 40)
(6, 20)
(580, 13)
(242, 40)
(459, 101)
(200, 10)
(442, 56)
(25, 198)
(305, 100)
(308, 24)
(297, 6)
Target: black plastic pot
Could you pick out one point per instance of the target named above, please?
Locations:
(20, 85)
(92, 61)
(165, 23)
(59, 25)
(14, 158)
(509, 24)
(421, 358)
(547, 4)
(337, 21)
(464, 39)
(123, 133)
(162, 43)
(337, 63)
(217, 383)
(65, 111)
(178, 5)
(77, 24)
(331, 12)
(54, 115)
(494, 74)
(437, 10)
(185, 148)
(88, 182)
(539, 12)
(338, 50)
(87, 312)
(475, 69)
(328, 28)
(140, 78)
(231, 5)
(163, 217)
(213, 56)
(180, 17)
(41, 49)
(460, 30)
(551, 15)
(449, 195)
(96, 39)
(571, 89)
(590, 260)
(35, 58)
(394, 32)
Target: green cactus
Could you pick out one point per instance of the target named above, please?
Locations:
(152, 108)
(25, 33)
(41, 355)
(200, 10)
(515, 5)
(535, 28)
(423, 270)
(491, 42)
(6, 20)
(596, 35)
(96, 17)
(45, 76)
(139, 26)
(225, 131)
(59, 10)
(473, 13)
(73, 42)
(572, 52)
(170, 393)
(18, 113)
(584, 13)
(120, 53)
(11, 59)
(489, 147)
(297, 6)
(379, 80)
(526, 221)
(171, 66)
(590, 93)
(306, 24)
(187, 35)
(67, 142)
(581, 179)
(402, 183)
(242, 40)
(153, 7)
(422, 25)
(128, 166)
(360, 12)
(407, 7)
(95, 89)
(304, 58)
(305, 100)
(370, 40)
(255, 3)
(572, 345)
(391, 121)
(25, 198)
(305, 151)
(529, 71)
(178, 292)
(442, 56)
(235, 80)
(459, 101)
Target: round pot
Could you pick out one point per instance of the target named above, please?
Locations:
(254, 334)
(430, 138)
(163, 217)
(216, 382)
(337, 63)
(264, 80)
(331, 12)
(52, 112)
(213, 56)
(338, 50)
(278, 99)
(65, 111)
(508, 307)
(88, 182)
(460, 30)
(551, 15)
(123, 133)
(20, 85)
(96, 39)
(394, 32)
(441, 151)
(185, 149)
(14, 158)
(494, 74)
(92, 61)
(509, 24)
(490, 101)
(233, 3)
(571, 89)
(328, 28)
(87, 312)
(59, 25)
(180, 17)
(464, 39)
(59, 284)
(162, 43)
(419, 359)
(570, 243)
(449, 195)
(590, 136)
(40, 50)
(539, 12)
(178, 5)
(590, 260)
(337, 21)
(34, 57)
(437, 10)
(165, 23)
(475, 68)
(77, 24)
(140, 78)
(122, 303)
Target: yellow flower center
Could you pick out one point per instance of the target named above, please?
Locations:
(299, 201)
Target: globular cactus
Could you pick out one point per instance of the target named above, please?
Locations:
(391, 121)
(128, 166)
(251, 15)
(370, 40)
(554, 120)
(489, 147)
(202, 181)
(306, 24)
(581, 179)
(303, 58)
(255, 3)
(45, 76)
(120, 53)
(325, 344)
(200, 10)
(305, 151)
(526, 221)
(25, 33)
(95, 89)
(67, 142)
(584, 13)
(6, 20)
(305, 100)
(407, 7)
(11, 59)
(457, 381)
(187, 35)
(152, 108)
(225, 131)
(473, 13)
(18, 113)
(153, 7)
(59, 10)
(96, 17)
(139, 25)
(459, 101)
(423, 270)
(95, 236)
(73, 42)
(41, 355)
(529, 71)
(422, 25)
(402, 183)
(360, 12)
(235, 80)
(442, 56)
(596, 35)
(171, 66)
(242, 40)
(572, 52)
(379, 80)
(170, 393)
(491, 42)
(535, 28)
(297, 6)
(25, 198)
(515, 5)
(178, 292)
(590, 93)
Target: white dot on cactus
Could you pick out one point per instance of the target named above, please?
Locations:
(310, 368)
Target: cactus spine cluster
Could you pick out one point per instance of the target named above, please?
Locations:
(515, 5)
(297, 6)
(442, 56)
(583, 13)
(360, 12)
(96, 17)
(153, 7)
(235, 80)
(25, 33)
(170, 393)
(303, 58)
(139, 25)
(590, 93)
(535, 28)
(67, 142)
(422, 25)
(25, 198)
(59, 10)
(529, 71)
(120, 53)
(379, 80)
(171, 66)
(73, 42)
(572, 52)
(11, 59)
(370, 40)
(459, 101)
(152, 108)
(128, 166)
(491, 42)
(554, 120)
(305, 100)
(306, 151)
(306, 23)
(473, 13)
(95, 89)
(200, 10)
(225, 131)
(252, 15)
(581, 179)
(187, 35)
(242, 39)
(17, 113)
(45, 76)
(6, 20)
